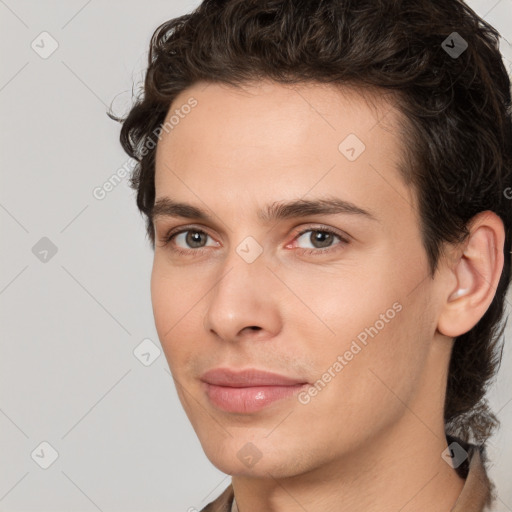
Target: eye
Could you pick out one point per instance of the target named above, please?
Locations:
(192, 238)
(187, 241)
(319, 240)
(314, 240)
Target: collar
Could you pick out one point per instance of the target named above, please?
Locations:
(476, 495)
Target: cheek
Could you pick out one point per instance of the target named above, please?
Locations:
(175, 294)
(175, 314)
(370, 386)
(373, 322)
(163, 300)
(382, 361)
(339, 303)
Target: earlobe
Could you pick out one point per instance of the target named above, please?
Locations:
(477, 272)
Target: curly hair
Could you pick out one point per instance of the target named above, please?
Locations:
(457, 127)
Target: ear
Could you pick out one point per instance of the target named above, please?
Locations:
(477, 269)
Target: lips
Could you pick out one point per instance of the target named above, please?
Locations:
(247, 378)
(248, 391)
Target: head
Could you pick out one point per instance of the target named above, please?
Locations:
(250, 105)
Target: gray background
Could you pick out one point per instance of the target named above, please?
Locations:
(70, 321)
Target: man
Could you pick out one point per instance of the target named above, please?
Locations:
(326, 190)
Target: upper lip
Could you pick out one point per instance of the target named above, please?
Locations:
(248, 378)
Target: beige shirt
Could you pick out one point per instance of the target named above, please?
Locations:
(476, 494)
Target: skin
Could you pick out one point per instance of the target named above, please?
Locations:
(372, 439)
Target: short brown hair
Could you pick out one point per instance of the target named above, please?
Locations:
(458, 139)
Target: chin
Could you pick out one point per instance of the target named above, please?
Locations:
(238, 456)
(261, 469)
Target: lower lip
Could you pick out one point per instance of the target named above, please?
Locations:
(247, 400)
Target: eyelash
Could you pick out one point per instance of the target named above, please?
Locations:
(307, 252)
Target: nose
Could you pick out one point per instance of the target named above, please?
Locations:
(245, 301)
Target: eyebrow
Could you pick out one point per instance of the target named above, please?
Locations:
(166, 207)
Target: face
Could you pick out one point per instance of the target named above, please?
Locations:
(337, 300)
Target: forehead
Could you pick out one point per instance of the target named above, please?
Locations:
(281, 141)
(260, 111)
